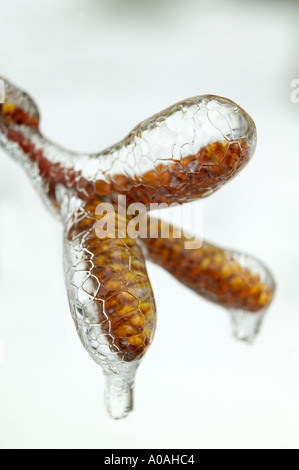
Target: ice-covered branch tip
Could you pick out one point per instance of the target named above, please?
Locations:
(185, 152)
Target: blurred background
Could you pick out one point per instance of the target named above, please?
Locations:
(97, 68)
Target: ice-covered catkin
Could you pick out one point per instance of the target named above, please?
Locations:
(46, 164)
(185, 152)
(111, 298)
(222, 276)
(193, 177)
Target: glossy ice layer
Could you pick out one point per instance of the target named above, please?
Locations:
(187, 151)
(111, 298)
(226, 277)
(246, 322)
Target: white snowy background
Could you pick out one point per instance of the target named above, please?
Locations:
(97, 68)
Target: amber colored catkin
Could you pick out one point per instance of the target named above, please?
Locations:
(120, 294)
(214, 273)
(210, 271)
(193, 177)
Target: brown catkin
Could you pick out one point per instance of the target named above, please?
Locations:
(122, 297)
(214, 273)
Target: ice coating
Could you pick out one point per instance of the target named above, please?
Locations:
(237, 281)
(111, 298)
(226, 277)
(187, 151)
